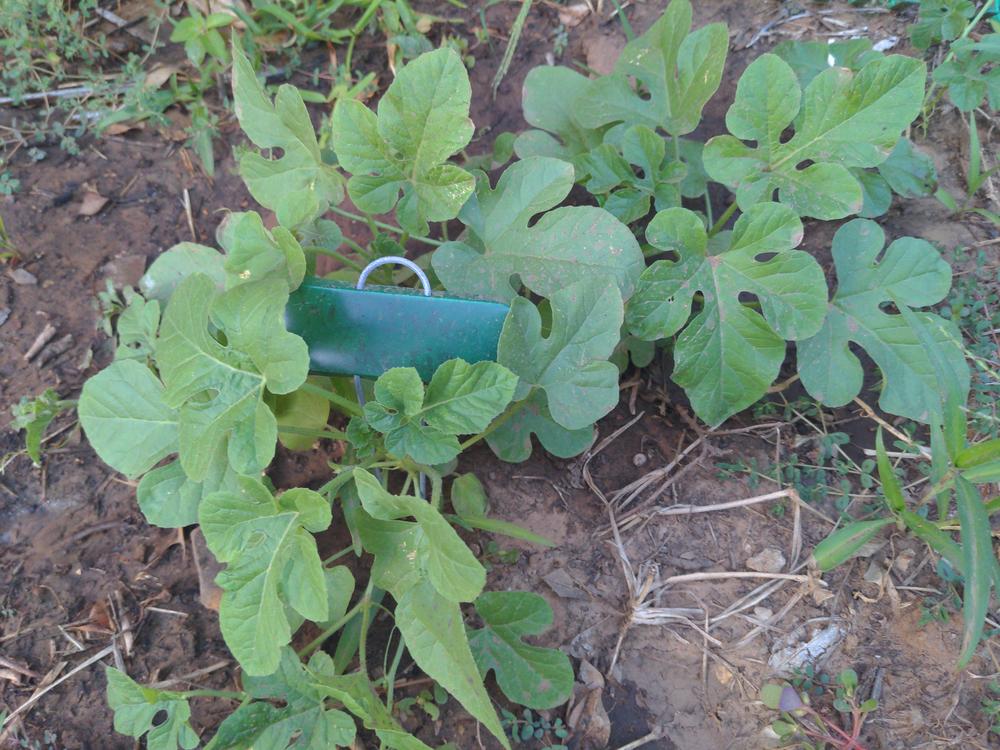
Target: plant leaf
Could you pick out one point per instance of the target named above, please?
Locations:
(809, 59)
(678, 68)
(566, 245)
(891, 487)
(435, 636)
(253, 253)
(538, 678)
(908, 171)
(845, 120)
(909, 273)
(299, 186)
(136, 707)
(978, 562)
(128, 421)
(449, 564)
(841, 545)
(176, 264)
(303, 410)
(272, 561)
(170, 500)
(729, 354)
(423, 119)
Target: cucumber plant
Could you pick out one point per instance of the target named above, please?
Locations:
(207, 380)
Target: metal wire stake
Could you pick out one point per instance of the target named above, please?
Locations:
(362, 281)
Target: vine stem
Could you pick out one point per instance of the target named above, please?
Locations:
(721, 222)
(316, 642)
(326, 434)
(336, 255)
(382, 225)
(230, 694)
(347, 406)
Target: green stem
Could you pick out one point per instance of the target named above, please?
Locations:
(334, 254)
(366, 602)
(230, 694)
(382, 225)
(726, 216)
(351, 408)
(336, 556)
(390, 675)
(509, 412)
(318, 640)
(304, 432)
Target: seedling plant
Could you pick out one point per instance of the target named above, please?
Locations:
(206, 379)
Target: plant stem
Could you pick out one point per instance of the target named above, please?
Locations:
(366, 602)
(337, 555)
(351, 408)
(318, 640)
(509, 412)
(718, 225)
(382, 225)
(334, 254)
(230, 694)
(326, 434)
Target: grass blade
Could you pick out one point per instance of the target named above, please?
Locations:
(979, 563)
(890, 482)
(844, 542)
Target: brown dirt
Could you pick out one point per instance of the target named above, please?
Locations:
(72, 538)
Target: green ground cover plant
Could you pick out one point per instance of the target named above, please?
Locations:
(206, 379)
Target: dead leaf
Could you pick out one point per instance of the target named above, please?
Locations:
(586, 717)
(92, 203)
(573, 15)
(210, 595)
(563, 585)
(118, 128)
(160, 74)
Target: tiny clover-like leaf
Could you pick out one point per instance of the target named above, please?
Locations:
(259, 353)
(299, 186)
(842, 120)
(423, 119)
(971, 73)
(127, 419)
(461, 399)
(253, 253)
(271, 562)
(678, 68)
(301, 723)
(159, 714)
(564, 246)
(547, 102)
(439, 552)
(729, 354)
(566, 376)
(535, 677)
(912, 273)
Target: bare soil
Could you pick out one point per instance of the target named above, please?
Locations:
(78, 562)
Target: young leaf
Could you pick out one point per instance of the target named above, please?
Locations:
(891, 488)
(299, 186)
(435, 636)
(570, 365)
(538, 678)
(259, 353)
(678, 68)
(940, 21)
(908, 171)
(845, 120)
(34, 415)
(253, 253)
(303, 410)
(909, 273)
(461, 399)
(127, 419)
(449, 564)
(564, 246)
(422, 120)
(468, 497)
(176, 264)
(136, 328)
(137, 708)
(272, 561)
(547, 101)
(302, 723)
(972, 73)
(978, 563)
(839, 546)
(729, 354)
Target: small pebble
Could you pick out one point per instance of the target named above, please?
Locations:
(4, 315)
(639, 459)
(20, 276)
(768, 560)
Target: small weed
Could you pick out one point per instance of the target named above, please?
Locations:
(809, 728)
(532, 726)
(991, 707)
(426, 701)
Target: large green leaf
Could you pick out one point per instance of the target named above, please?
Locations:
(449, 564)
(159, 714)
(678, 70)
(253, 253)
(298, 186)
(127, 418)
(566, 245)
(910, 273)
(547, 101)
(511, 441)
(434, 634)
(810, 58)
(219, 388)
(302, 722)
(842, 120)
(169, 499)
(460, 399)
(535, 677)
(570, 364)
(272, 561)
(729, 354)
(423, 119)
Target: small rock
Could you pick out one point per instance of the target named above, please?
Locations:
(639, 459)
(903, 561)
(763, 614)
(125, 270)
(4, 315)
(768, 560)
(563, 585)
(22, 277)
(722, 674)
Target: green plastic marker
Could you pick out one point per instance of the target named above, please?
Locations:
(367, 331)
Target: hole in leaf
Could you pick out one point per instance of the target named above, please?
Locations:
(159, 718)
